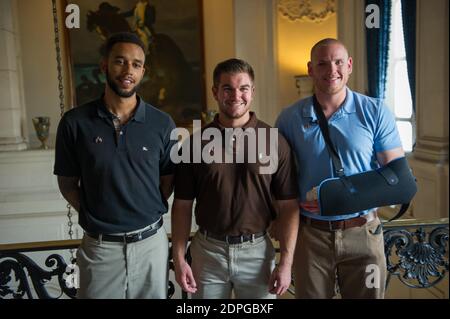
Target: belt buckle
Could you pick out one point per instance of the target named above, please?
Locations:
(330, 226)
(132, 237)
(231, 242)
(128, 238)
(138, 236)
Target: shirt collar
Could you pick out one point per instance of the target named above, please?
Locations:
(308, 109)
(348, 106)
(252, 122)
(139, 114)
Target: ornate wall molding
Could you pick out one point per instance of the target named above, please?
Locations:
(307, 10)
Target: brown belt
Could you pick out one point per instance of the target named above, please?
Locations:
(339, 224)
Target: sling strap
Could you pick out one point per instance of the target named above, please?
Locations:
(337, 163)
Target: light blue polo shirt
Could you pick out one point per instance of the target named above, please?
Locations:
(359, 129)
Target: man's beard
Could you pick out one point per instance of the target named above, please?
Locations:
(117, 90)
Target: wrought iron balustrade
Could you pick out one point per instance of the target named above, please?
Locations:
(416, 252)
(17, 270)
(17, 267)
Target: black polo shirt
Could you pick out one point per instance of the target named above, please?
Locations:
(119, 173)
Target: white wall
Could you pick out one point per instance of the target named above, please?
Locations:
(218, 30)
(295, 40)
(38, 52)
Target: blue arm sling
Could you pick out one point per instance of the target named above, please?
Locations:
(391, 184)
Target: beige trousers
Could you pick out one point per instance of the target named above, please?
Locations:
(114, 270)
(352, 260)
(221, 270)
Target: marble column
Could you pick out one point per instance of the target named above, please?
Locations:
(11, 138)
(430, 157)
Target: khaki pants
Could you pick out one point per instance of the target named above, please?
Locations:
(115, 270)
(354, 257)
(220, 269)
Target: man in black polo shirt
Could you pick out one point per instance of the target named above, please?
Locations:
(236, 201)
(114, 168)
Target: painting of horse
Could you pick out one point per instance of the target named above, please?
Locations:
(172, 33)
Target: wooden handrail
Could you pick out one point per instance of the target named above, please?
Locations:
(41, 245)
(416, 222)
(49, 245)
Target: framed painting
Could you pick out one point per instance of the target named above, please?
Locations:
(171, 30)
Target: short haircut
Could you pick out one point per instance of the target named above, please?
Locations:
(232, 66)
(326, 42)
(120, 37)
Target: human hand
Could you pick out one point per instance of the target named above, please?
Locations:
(311, 204)
(311, 195)
(185, 278)
(280, 279)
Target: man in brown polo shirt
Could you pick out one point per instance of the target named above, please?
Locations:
(236, 200)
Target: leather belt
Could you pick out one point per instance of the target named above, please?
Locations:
(233, 240)
(129, 238)
(339, 224)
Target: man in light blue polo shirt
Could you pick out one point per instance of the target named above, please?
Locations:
(364, 133)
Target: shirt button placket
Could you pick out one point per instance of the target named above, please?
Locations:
(121, 138)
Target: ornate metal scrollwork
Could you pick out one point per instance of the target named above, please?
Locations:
(17, 268)
(21, 277)
(417, 255)
(417, 263)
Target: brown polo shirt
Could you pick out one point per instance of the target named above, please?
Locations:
(235, 198)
